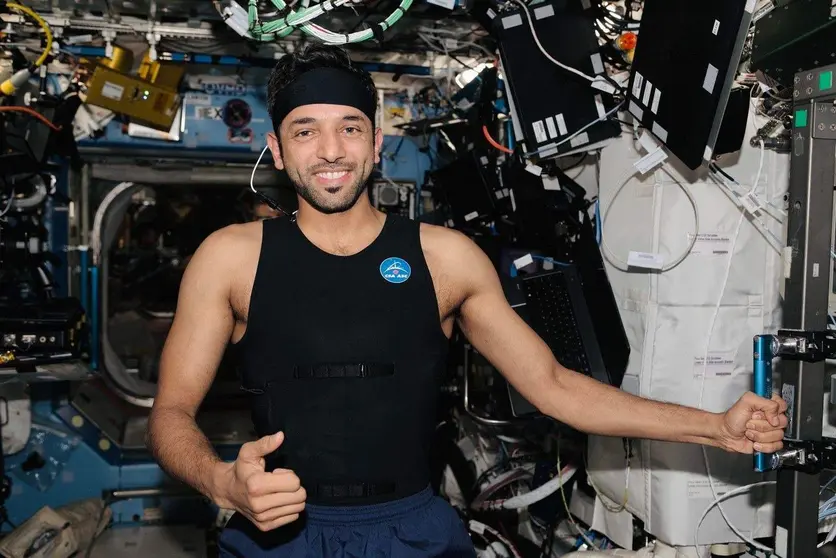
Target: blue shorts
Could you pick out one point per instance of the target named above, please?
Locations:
(418, 526)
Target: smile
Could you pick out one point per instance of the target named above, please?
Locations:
(331, 175)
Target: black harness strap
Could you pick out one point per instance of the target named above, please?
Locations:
(343, 370)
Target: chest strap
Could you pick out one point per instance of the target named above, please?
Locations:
(344, 370)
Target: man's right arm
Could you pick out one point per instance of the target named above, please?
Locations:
(202, 326)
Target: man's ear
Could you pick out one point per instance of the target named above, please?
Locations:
(378, 144)
(276, 150)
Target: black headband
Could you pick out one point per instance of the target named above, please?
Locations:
(328, 86)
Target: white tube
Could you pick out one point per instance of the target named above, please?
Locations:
(541, 492)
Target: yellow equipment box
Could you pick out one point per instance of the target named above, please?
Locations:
(143, 102)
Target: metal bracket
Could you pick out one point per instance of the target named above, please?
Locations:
(805, 456)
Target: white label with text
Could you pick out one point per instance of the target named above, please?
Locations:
(720, 364)
(700, 489)
(711, 244)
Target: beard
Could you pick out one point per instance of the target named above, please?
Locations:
(340, 202)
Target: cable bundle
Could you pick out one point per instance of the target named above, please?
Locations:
(249, 24)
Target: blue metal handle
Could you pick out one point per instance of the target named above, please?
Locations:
(763, 355)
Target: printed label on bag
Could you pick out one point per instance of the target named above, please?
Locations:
(711, 244)
(700, 489)
(720, 365)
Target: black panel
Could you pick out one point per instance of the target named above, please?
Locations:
(545, 96)
(793, 38)
(683, 69)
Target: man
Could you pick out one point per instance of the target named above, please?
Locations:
(342, 318)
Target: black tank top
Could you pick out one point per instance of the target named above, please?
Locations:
(345, 355)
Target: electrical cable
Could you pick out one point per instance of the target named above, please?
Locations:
(33, 113)
(726, 496)
(248, 24)
(566, 503)
(759, 225)
(714, 317)
(269, 201)
(625, 499)
(530, 20)
(495, 143)
(10, 85)
(581, 130)
(43, 25)
(620, 264)
(712, 324)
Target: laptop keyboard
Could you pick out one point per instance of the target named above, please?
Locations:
(551, 311)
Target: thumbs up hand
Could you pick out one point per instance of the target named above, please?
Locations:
(268, 499)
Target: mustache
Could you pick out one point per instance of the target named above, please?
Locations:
(331, 168)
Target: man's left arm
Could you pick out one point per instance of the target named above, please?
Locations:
(500, 335)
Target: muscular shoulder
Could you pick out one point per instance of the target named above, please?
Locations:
(450, 246)
(225, 253)
(456, 257)
(230, 245)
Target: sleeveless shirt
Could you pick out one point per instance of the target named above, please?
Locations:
(345, 355)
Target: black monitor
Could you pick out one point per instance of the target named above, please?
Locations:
(683, 71)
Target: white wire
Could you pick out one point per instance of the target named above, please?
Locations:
(255, 168)
(726, 496)
(540, 45)
(759, 225)
(768, 206)
(593, 123)
(712, 324)
(620, 264)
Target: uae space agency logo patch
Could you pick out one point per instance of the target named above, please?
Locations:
(395, 270)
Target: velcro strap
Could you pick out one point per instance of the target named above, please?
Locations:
(349, 370)
(352, 490)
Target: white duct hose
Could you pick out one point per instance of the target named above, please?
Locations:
(541, 492)
(96, 234)
(529, 498)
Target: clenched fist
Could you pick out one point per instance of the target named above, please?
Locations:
(754, 424)
(268, 499)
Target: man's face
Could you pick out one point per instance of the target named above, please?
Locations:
(328, 151)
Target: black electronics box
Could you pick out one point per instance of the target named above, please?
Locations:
(794, 37)
(49, 326)
(550, 104)
(25, 138)
(680, 81)
(469, 185)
